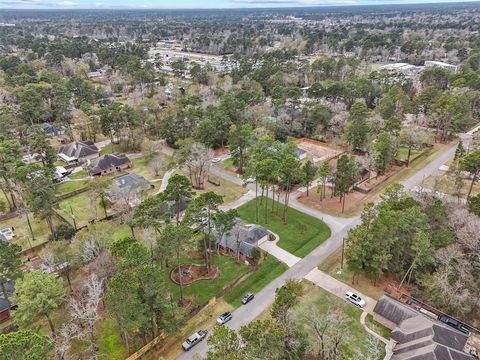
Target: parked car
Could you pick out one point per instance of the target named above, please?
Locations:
(225, 317)
(247, 298)
(194, 339)
(453, 323)
(216, 160)
(355, 299)
(7, 233)
(248, 180)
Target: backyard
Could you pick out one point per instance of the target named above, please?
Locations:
(300, 236)
(23, 237)
(322, 302)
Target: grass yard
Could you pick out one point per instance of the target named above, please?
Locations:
(78, 175)
(268, 270)
(315, 298)
(141, 166)
(228, 166)
(202, 291)
(69, 186)
(227, 189)
(300, 236)
(23, 236)
(377, 327)
(403, 153)
(444, 182)
(82, 208)
(110, 343)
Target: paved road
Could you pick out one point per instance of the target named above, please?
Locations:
(339, 227)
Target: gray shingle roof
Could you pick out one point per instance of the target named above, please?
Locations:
(10, 290)
(106, 162)
(419, 337)
(393, 310)
(247, 235)
(79, 149)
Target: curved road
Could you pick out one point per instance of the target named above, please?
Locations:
(339, 227)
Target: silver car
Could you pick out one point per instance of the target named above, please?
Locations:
(194, 339)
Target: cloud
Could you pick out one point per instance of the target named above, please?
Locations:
(67, 4)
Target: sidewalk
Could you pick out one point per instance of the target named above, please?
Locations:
(273, 249)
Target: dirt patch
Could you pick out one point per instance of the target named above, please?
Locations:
(195, 255)
(370, 184)
(317, 150)
(193, 272)
(329, 203)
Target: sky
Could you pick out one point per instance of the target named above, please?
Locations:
(193, 4)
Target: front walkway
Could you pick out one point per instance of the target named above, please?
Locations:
(273, 249)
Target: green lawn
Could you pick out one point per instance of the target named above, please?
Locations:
(82, 208)
(69, 186)
(403, 153)
(141, 166)
(23, 236)
(377, 327)
(204, 290)
(268, 270)
(227, 189)
(321, 301)
(110, 343)
(300, 236)
(78, 175)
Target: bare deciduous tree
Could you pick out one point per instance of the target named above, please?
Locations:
(331, 330)
(156, 164)
(84, 309)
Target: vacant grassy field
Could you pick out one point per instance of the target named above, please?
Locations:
(300, 236)
(268, 270)
(322, 302)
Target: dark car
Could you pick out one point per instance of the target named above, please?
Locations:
(453, 323)
(247, 298)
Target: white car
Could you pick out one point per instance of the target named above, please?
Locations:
(194, 339)
(248, 180)
(216, 160)
(7, 233)
(225, 317)
(355, 299)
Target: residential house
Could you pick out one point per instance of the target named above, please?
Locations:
(5, 306)
(417, 336)
(78, 151)
(50, 130)
(129, 188)
(243, 238)
(107, 164)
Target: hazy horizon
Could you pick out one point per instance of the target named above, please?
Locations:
(204, 4)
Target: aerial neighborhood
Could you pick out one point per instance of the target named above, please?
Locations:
(240, 180)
